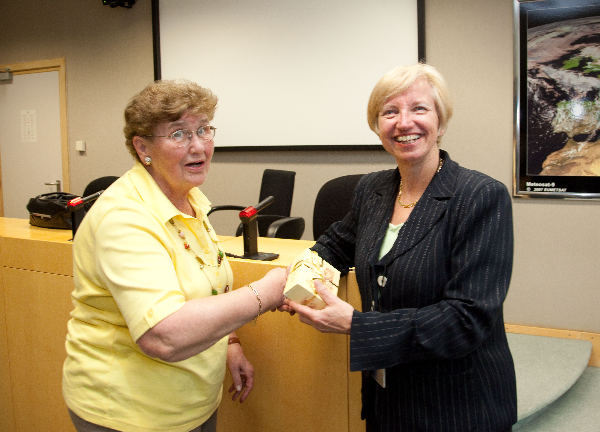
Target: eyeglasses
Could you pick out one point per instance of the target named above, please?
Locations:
(183, 137)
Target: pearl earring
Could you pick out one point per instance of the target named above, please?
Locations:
(147, 161)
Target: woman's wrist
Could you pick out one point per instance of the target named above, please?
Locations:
(259, 300)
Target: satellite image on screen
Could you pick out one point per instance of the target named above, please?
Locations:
(563, 93)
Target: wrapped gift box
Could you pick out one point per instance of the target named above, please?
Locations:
(305, 269)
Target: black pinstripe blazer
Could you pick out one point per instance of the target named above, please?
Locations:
(437, 324)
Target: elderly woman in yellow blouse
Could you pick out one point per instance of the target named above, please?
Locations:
(154, 318)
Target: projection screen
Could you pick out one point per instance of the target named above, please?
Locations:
(288, 74)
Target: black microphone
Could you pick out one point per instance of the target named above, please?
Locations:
(76, 207)
(249, 218)
(250, 211)
(264, 203)
(76, 203)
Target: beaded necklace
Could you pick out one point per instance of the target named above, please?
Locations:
(198, 257)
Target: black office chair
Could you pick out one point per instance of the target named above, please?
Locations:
(275, 220)
(333, 201)
(96, 185)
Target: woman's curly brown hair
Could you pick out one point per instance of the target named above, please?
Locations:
(165, 101)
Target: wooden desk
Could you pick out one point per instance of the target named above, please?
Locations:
(301, 375)
(35, 285)
(302, 380)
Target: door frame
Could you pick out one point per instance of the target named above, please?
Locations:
(38, 66)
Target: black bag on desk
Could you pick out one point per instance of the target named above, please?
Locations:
(50, 210)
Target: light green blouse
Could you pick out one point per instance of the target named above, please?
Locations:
(390, 237)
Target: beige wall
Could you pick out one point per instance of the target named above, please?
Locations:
(108, 54)
(109, 57)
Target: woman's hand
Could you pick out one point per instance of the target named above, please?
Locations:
(336, 317)
(286, 307)
(241, 371)
(270, 288)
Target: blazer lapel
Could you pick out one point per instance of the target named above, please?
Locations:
(381, 205)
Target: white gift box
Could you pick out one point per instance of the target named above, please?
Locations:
(305, 269)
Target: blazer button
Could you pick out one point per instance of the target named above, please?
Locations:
(381, 280)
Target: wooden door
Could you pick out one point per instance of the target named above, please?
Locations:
(33, 138)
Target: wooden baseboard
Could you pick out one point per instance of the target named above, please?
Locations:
(594, 338)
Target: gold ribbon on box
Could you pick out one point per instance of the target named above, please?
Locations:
(316, 264)
(305, 270)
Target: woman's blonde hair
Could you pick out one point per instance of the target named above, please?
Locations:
(165, 101)
(401, 78)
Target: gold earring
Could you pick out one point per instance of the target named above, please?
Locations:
(147, 161)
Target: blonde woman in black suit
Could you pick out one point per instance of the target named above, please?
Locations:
(432, 243)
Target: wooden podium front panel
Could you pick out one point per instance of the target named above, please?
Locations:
(301, 378)
(35, 301)
(7, 419)
(37, 310)
(41, 249)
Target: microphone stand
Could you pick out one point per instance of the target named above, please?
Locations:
(249, 218)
